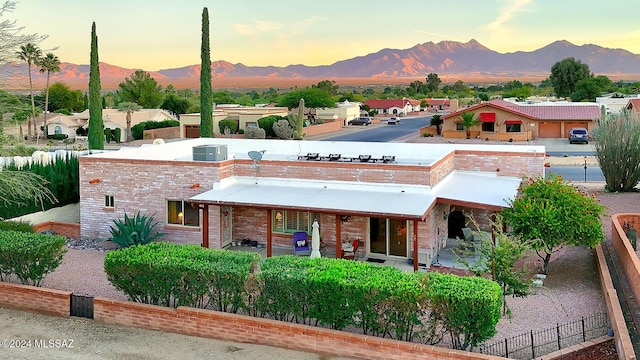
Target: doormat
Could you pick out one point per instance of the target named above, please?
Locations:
(379, 261)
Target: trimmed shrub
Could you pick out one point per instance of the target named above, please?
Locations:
(136, 230)
(138, 129)
(181, 275)
(226, 123)
(468, 306)
(29, 256)
(267, 122)
(117, 133)
(283, 130)
(57, 136)
(20, 226)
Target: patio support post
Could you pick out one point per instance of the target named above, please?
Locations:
(205, 225)
(269, 233)
(338, 239)
(415, 245)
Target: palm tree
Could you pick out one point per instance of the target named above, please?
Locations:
(468, 121)
(129, 108)
(50, 63)
(30, 53)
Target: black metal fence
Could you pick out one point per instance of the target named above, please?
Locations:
(537, 343)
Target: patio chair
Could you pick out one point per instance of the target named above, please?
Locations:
(349, 250)
(301, 244)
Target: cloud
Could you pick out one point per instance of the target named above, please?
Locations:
(257, 27)
(506, 13)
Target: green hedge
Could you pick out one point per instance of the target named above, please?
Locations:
(21, 226)
(267, 122)
(181, 275)
(63, 176)
(381, 300)
(137, 131)
(231, 124)
(29, 256)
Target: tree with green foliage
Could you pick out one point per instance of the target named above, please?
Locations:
(552, 213)
(206, 100)
(96, 131)
(31, 54)
(62, 97)
(49, 63)
(330, 86)
(468, 121)
(141, 89)
(433, 82)
(313, 97)
(618, 151)
(566, 73)
(436, 120)
(175, 104)
(128, 108)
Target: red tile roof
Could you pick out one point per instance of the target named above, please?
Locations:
(434, 102)
(541, 112)
(633, 105)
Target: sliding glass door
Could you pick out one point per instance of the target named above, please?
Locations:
(388, 237)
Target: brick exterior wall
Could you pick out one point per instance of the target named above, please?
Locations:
(35, 299)
(146, 186)
(622, 246)
(239, 328)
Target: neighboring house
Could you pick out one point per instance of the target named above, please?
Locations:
(229, 194)
(504, 120)
(633, 107)
(345, 111)
(389, 107)
(61, 124)
(114, 118)
(245, 116)
(440, 105)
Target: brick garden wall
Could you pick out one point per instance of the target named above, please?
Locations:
(239, 328)
(35, 299)
(69, 230)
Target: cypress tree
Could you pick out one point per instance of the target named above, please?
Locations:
(96, 134)
(206, 96)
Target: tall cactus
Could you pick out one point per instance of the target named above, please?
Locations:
(297, 134)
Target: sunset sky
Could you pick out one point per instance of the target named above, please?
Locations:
(154, 35)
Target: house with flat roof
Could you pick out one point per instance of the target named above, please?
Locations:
(504, 120)
(400, 200)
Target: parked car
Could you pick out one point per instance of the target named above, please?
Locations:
(578, 135)
(360, 121)
(393, 121)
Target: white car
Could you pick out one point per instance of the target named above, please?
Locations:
(393, 121)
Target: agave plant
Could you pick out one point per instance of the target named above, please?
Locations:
(137, 230)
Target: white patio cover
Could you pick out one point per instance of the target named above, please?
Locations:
(368, 199)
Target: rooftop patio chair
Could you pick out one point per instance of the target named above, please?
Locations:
(301, 245)
(349, 250)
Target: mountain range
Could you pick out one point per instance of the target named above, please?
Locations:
(451, 60)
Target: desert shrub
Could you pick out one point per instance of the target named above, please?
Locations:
(20, 226)
(138, 129)
(226, 123)
(63, 111)
(254, 132)
(29, 256)
(240, 131)
(618, 151)
(283, 130)
(181, 275)
(81, 131)
(136, 230)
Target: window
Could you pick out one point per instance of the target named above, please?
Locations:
(181, 213)
(249, 124)
(513, 127)
(57, 130)
(108, 202)
(459, 127)
(488, 126)
(290, 221)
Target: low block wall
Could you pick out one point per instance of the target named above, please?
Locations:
(238, 328)
(69, 230)
(35, 299)
(327, 127)
(162, 133)
(626, 255)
